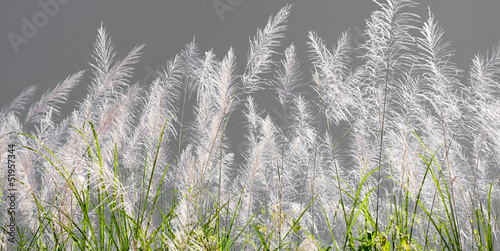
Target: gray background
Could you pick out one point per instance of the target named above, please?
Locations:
(64, 43)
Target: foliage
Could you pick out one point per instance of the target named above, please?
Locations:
(132, 169)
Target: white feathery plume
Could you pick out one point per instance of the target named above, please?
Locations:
(107, 97)
(157, 106)
(188, 175)
(262, 49)
(441, 98)
(110, 76)
(406, 115)
(439, 73)
(387, 54)
(51, 98)
(259, 174)
(331, 73)
(301, 156)
(287, 80)
(389, 39)
(19, 102)
(482, 113)
(190, 60)
(252, 174)
(272, 158)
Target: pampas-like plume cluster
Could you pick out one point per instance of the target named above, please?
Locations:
(126, 170)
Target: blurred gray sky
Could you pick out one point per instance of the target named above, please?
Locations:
(62, 41)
